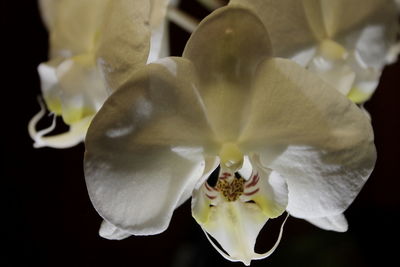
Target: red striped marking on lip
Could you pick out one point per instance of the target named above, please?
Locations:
(209, 188)
(211, 197)
(225, 175)
(254, 181)
(252, 192)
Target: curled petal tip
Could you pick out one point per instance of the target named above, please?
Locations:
(74, 136)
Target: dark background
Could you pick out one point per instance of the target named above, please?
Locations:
(48, 219)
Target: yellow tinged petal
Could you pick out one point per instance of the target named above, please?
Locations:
(358, 96)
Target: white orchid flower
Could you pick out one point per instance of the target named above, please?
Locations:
(346, 42)
(89, 38)
(284, 140)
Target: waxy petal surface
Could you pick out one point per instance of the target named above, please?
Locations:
(287, 24)
(336, 223)
(145, 147)
(124, 40)
(76, 26)
(226, 55)
(319, 141)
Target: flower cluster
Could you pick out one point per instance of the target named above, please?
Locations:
(265, 91)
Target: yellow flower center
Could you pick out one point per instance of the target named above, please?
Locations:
(230, 190)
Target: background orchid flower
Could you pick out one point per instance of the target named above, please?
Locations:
(346, 42)
(284, 140)
(89, 38)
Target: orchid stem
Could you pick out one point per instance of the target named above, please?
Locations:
(211, 4)
(182, 19)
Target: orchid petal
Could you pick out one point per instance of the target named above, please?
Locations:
(336, 73)
(340, 16)
(315, 138)
(336, 223)
(49, 85)
(159, 43)
(109, 231)
(267, 189)
(82, 89)
(76, 26)
(211, 163)
(236, 225)
(48, 10)
(226, 54)
(124, 41)
(145, 147)
(286, 21)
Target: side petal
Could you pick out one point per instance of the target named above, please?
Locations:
(145, 147)
(124, 40)
(313, 136)
(336, 223)
(109, 231)
(226, 54)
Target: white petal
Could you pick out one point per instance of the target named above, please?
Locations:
(211, 163)
(236, 225)
(286, 21)
(124, 40)
(48, 10)
(267, 189)
(145, 148)
(49, 84)
(226, 54)
(336, 73)
(76, 26)
(82, 91)
(336, 223)
(109, 231)
(340, 16)
(319, 141)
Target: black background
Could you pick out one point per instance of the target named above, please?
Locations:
(48, 219)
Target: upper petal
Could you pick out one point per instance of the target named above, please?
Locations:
(76, 26)
(226, 54)
(341, 16)
(319, 141)
(287, 23)
(124, 40)
(145, 148)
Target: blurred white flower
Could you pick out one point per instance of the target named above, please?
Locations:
(284, 140)
(89, 38)
(346, 42)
